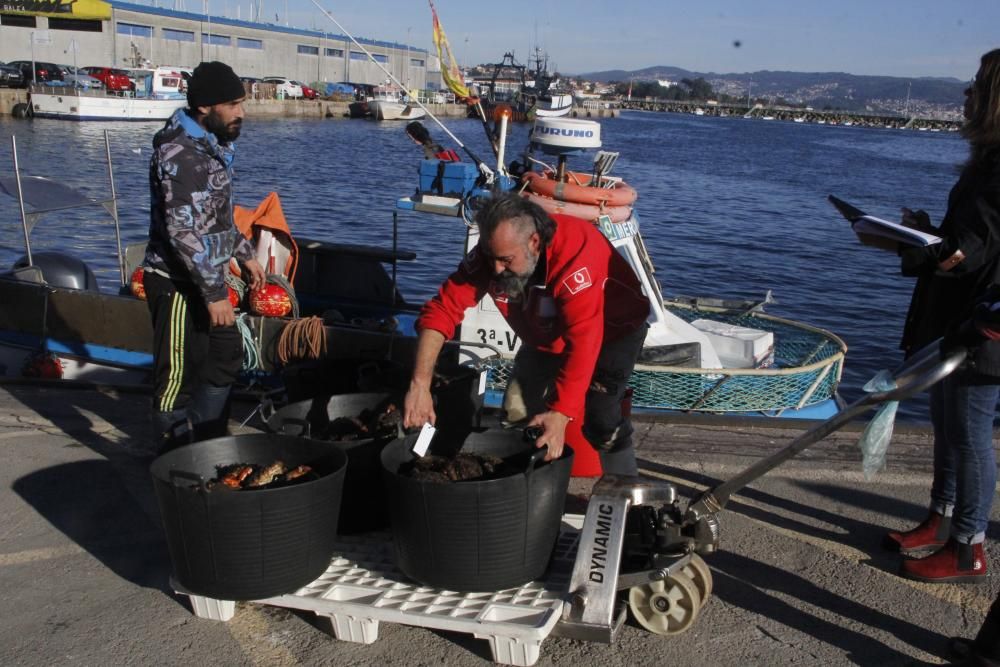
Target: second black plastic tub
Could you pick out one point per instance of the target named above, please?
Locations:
(363, 507)
(249, 544)
(477, 535)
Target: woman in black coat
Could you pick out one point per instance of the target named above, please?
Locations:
(951, 276)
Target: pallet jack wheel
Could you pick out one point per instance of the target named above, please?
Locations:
(698, 570)
(666, 607)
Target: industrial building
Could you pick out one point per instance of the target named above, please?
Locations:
(123, 34)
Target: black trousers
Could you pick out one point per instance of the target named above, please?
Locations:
(187, 351)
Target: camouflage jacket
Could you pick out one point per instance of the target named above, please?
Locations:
(191, 232)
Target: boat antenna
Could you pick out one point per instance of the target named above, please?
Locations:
(483, 167)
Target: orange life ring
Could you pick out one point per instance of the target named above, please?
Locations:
(577, 189)
(587, 212)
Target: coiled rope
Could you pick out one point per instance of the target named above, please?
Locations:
(251, 354)
(302, 339)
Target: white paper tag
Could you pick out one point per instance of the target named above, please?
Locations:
(482, 383)
(424, 439)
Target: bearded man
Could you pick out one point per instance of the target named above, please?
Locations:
(579, 310)
(197, 349)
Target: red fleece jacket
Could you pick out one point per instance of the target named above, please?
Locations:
(590, 295)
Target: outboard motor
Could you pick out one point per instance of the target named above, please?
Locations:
(62, 270)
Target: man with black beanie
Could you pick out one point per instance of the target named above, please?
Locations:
(192, 238)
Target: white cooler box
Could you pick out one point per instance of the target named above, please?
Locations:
(738, 347)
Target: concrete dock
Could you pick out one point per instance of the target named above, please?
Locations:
(800, 578)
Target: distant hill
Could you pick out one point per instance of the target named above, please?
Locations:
(818, 89)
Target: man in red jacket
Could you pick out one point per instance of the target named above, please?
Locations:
(579, 310)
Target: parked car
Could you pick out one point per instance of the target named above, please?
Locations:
(76, 77)
(113, 78)
(286, 86)
(307, 92)
(10, 76)
(44, 72)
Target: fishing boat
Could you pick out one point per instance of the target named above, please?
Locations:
(158, 94)
(393, 109)
(701, 354)
(523, 92)
(80, 104)
(58, 324)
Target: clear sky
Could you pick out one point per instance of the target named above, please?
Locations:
(890, 37)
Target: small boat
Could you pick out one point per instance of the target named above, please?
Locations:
(701, 354)
(82, 104)
(386, 109)
(58, 324)
(553, 105)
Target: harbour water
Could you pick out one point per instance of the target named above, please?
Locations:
(729, 207)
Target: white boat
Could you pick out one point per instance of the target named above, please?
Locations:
(705, 355)
(553, 106)
(394, 110)
(75, 104)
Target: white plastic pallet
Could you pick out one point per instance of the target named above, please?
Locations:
(362, 587)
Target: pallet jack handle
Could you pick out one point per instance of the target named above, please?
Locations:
(921, 371)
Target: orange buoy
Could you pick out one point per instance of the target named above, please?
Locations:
(584, 211)
(136, 283)
(578, 189)
(271, 301)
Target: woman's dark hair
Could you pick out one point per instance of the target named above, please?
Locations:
(983, 126)
(525, 214)
(417, 130)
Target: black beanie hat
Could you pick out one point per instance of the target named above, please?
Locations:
(417, 130)
(213, 83)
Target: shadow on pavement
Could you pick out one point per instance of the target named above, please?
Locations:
(87, 501)
(908, 514)
(751, 585)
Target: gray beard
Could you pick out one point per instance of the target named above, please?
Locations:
(513, 284)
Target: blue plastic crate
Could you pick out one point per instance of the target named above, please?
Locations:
(448, 179)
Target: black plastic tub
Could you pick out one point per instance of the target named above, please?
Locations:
(252, 543)
(363, 508)
(477, 535)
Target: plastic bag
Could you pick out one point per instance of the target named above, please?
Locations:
(874, 442)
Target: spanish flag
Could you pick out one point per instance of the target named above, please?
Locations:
(449, 68)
